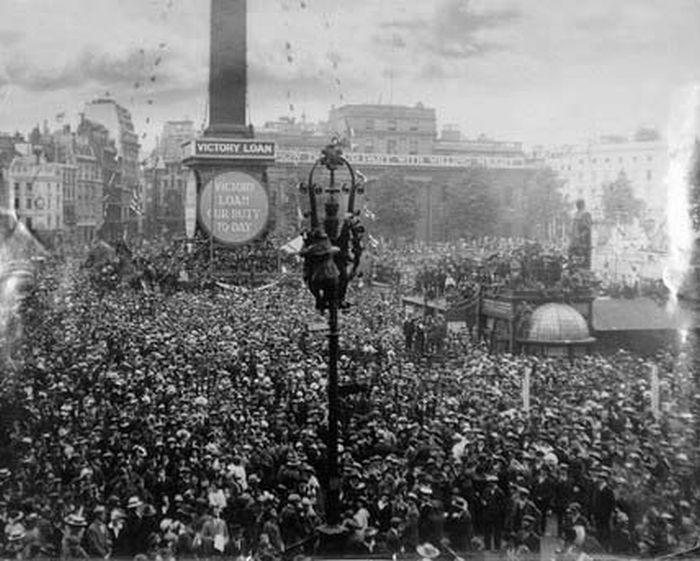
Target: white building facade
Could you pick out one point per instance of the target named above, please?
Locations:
(587, 168)
(36, 192)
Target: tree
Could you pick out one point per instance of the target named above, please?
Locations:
(646, 134)
(394, 204)
(471, 207)
(619, 202)
(544, 203)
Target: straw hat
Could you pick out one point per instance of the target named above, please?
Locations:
(134, 502)
(428, 551)
(75, 520)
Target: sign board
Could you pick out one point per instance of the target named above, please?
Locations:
(229, 149)
(497, 309)
(191, 204)
(233, 206)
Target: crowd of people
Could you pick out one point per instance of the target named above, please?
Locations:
(170, 424)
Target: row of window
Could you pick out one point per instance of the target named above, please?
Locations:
(19, 169)
(36, 204)
(51, 221)
(92, 172)
(594, 176)
(391, 125)
(393, 146)
(606, 160)
(29, 187)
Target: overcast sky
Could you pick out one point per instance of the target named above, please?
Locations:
(540, 71)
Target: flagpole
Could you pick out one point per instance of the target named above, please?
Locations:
(211, 233)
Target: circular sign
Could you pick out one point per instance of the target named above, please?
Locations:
(234, 207)
(191, 204)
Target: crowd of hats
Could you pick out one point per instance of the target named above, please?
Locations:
(528, 266)
(194, 404)
(167, 266)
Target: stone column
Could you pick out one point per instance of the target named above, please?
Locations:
(228, 69)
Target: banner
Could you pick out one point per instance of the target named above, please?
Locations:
(526, 389)
(655, 393)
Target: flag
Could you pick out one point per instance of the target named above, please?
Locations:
(293, 246)
(349, 129)
(135, 203)
(300, 217)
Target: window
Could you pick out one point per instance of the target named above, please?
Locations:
(29, 187)
(28, 222)
(392, 124)
(28, 203)
(648, 175)
(16, 186)
(413, 146)
(414, 125)
(369, 124)
(369, 147)
(16, 203)
(391, 146)
(49, 220)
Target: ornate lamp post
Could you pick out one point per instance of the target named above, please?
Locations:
(331, 252)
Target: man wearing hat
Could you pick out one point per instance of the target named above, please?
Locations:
(392, 538)
(16, 542)
(520, 506)
(527, 539)
(97, 539)
(603, 505)
(493, 502)
(563, 495)
(117, 536)
(15, 523)
(73, 532)
(136, 527)
(291, 521)
(458, 524)
(215, 535)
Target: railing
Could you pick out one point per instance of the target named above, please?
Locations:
(410, 160)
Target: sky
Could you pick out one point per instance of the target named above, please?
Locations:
(537, 71)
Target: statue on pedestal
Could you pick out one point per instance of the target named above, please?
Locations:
(581, 244)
